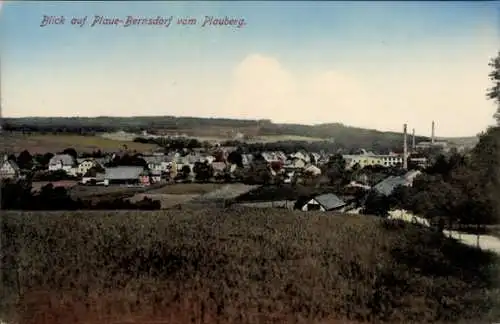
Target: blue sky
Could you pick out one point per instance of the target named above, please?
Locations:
(369, 64)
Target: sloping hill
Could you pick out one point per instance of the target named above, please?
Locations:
(221, 128)
(238, 266)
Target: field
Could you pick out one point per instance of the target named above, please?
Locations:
(237, 266)
(283, 192)
(264, 138)
(172, 195)
(57, 143)
(166, 200)
(278, 138)
(187, 188)
(194, 193)
(470, 141)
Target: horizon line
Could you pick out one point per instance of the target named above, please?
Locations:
(235, 119)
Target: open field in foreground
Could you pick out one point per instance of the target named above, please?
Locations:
(166, 200)
(173, 195)
(187, 188)
(237, 266)
(57, 143)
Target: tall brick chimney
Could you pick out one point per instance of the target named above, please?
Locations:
(432, 134)
(413, 146)
(405, 147)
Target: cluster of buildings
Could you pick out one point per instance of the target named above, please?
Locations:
(164, 167)
(331, 202)
(161, 167)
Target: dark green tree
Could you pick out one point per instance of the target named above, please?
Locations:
(70, 151)
(494, 92)
(25, 160)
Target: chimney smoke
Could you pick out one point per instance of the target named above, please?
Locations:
(405, 148)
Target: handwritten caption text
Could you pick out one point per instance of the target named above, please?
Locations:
(130, 21)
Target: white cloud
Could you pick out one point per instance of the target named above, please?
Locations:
(263, 88)
(450, 92)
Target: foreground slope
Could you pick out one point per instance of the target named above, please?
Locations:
(237, 266)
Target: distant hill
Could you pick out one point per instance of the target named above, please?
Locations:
(220, 128)
(469, 141)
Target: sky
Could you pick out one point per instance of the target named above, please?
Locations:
(367, 64)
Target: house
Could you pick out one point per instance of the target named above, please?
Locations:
(9, 169)
(156, 176)
(324, 202)
(315, 158)
(84, 165)
(296, 163)
(312, 170)
(158, 163)
(301, 156)
(246, 159)
(219, 169)
(391, 160)
(421, 162)
(406, 216)
(269, 157)
(63, 162)
(429, 145)
(125, 175)
(387, 186)
(361, 159)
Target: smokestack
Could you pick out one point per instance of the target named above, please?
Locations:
(405, 148)
(432, 134)
(413, 139)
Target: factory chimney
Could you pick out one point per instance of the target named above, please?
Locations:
(432, 134)
(413, 146)
(405, 148)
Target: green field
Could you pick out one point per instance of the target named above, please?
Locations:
(238, 266)
(278, 138)
(262, 139)
(187, 188)
(38, 143)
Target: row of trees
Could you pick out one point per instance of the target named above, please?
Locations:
(288, 146)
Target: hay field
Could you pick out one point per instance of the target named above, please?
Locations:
(237, 266)
(263, 139)
(278, 138)
(166, 200)
(56, 143)
(187, 188)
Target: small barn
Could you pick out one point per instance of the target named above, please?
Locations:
(324, 202)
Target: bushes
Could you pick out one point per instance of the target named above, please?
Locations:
(144, 204)
(239, 266)
(19, 196)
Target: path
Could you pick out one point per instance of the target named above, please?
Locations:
(486, 242)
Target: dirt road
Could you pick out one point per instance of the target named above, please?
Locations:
(486, 242)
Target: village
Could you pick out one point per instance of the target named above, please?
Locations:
(299, 180)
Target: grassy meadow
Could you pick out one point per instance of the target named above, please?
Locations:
(38, 143)
(237, 266)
